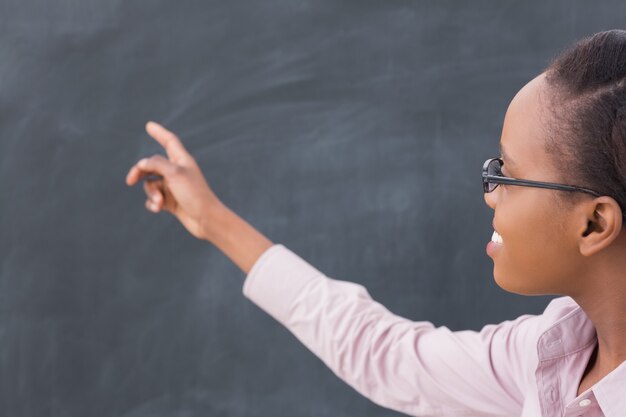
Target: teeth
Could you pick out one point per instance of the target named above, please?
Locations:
(496, 238)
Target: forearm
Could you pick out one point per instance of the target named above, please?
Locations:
(236, 238)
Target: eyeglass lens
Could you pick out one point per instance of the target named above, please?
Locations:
(494, 168)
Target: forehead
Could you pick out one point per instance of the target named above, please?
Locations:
(523, 132)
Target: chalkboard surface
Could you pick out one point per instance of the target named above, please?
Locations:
(352, 132)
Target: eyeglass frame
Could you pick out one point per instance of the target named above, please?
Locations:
(498, 179)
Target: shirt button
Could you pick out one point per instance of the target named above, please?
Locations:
(584, 403)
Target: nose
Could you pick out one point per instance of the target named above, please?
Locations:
(490, 198)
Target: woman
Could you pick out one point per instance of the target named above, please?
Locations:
(558, 194)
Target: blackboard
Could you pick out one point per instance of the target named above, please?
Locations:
(352, 132)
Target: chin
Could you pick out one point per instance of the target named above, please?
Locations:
(518, 286)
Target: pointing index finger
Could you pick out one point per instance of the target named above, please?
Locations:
(170, 142)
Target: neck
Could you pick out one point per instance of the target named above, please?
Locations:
(604, 302)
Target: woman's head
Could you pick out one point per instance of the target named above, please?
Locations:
(568, 126)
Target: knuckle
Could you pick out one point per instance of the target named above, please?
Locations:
(177, 170)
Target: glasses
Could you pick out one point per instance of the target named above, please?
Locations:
(492, 177)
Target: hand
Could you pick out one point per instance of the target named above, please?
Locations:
(183, 191)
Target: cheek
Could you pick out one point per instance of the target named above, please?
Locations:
(534, 258)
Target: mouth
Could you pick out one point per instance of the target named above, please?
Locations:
(496, 242)
(496, 238)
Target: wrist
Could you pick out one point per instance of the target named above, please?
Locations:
(235, 237)
(214, 222)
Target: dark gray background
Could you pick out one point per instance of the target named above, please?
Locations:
(353, 132)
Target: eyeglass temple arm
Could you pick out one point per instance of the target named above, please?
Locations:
(539, 184)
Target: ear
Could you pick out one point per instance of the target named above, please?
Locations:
(602, 218)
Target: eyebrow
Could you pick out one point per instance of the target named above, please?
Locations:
(507, 159)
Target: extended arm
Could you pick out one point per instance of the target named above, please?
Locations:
(405, 365)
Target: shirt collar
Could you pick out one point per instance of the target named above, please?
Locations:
(610, 392)
(572, 332)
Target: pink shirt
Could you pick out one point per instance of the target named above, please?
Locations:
(527, 367)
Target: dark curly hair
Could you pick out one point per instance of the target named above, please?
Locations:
(587, 84)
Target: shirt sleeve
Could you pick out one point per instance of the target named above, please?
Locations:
(408, 366)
